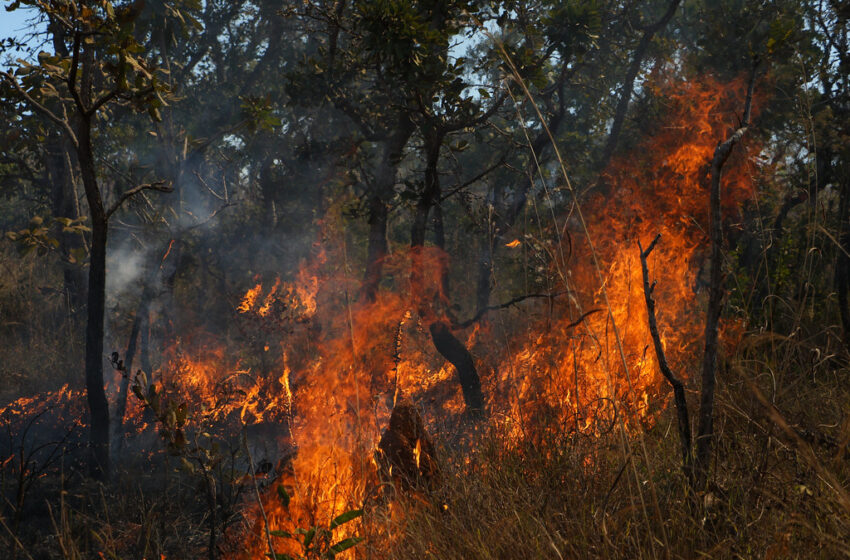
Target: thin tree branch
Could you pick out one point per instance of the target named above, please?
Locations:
(72, 75)
(675, 382)
(103, 101)
(159, 186)
(478, 177)
(517, 300)
(65, 125)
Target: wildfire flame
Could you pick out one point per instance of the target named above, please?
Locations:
(581, 362)
(556, 370)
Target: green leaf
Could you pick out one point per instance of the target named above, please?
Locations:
(308, 537)
(283, 495)
(345, 518)
(280, 556)
(344, 544)
(281, 534)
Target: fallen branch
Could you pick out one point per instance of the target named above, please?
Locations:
(675, 382)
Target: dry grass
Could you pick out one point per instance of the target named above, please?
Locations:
(775, 493)
(570, 497)
(42, 345)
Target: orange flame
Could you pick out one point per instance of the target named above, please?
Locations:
(580, 363)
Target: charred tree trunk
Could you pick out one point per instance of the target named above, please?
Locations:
(440, 241)
(140, 323)
(678, 387)
(431, 189)
(455, 352)
(377, 249)
(705, 430)
(444, 341)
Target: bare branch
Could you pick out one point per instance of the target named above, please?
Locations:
(475, 179)
(519, 299)
(211, 217)
(209, 188)
(675, 382)
(72, 75)
(159, 186)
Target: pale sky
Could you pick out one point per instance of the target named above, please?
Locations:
(14, 24)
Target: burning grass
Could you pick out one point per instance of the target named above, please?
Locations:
(571, 391)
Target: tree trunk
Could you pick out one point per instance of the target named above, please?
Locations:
(431, 188)
(382, 191)
(139, 324)
(842, 265)
(455, 352)
(705, 429)
(629, 83)
(377, 250)
(429, 196)
(440, 241)
(63, 204)
(99, 465)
